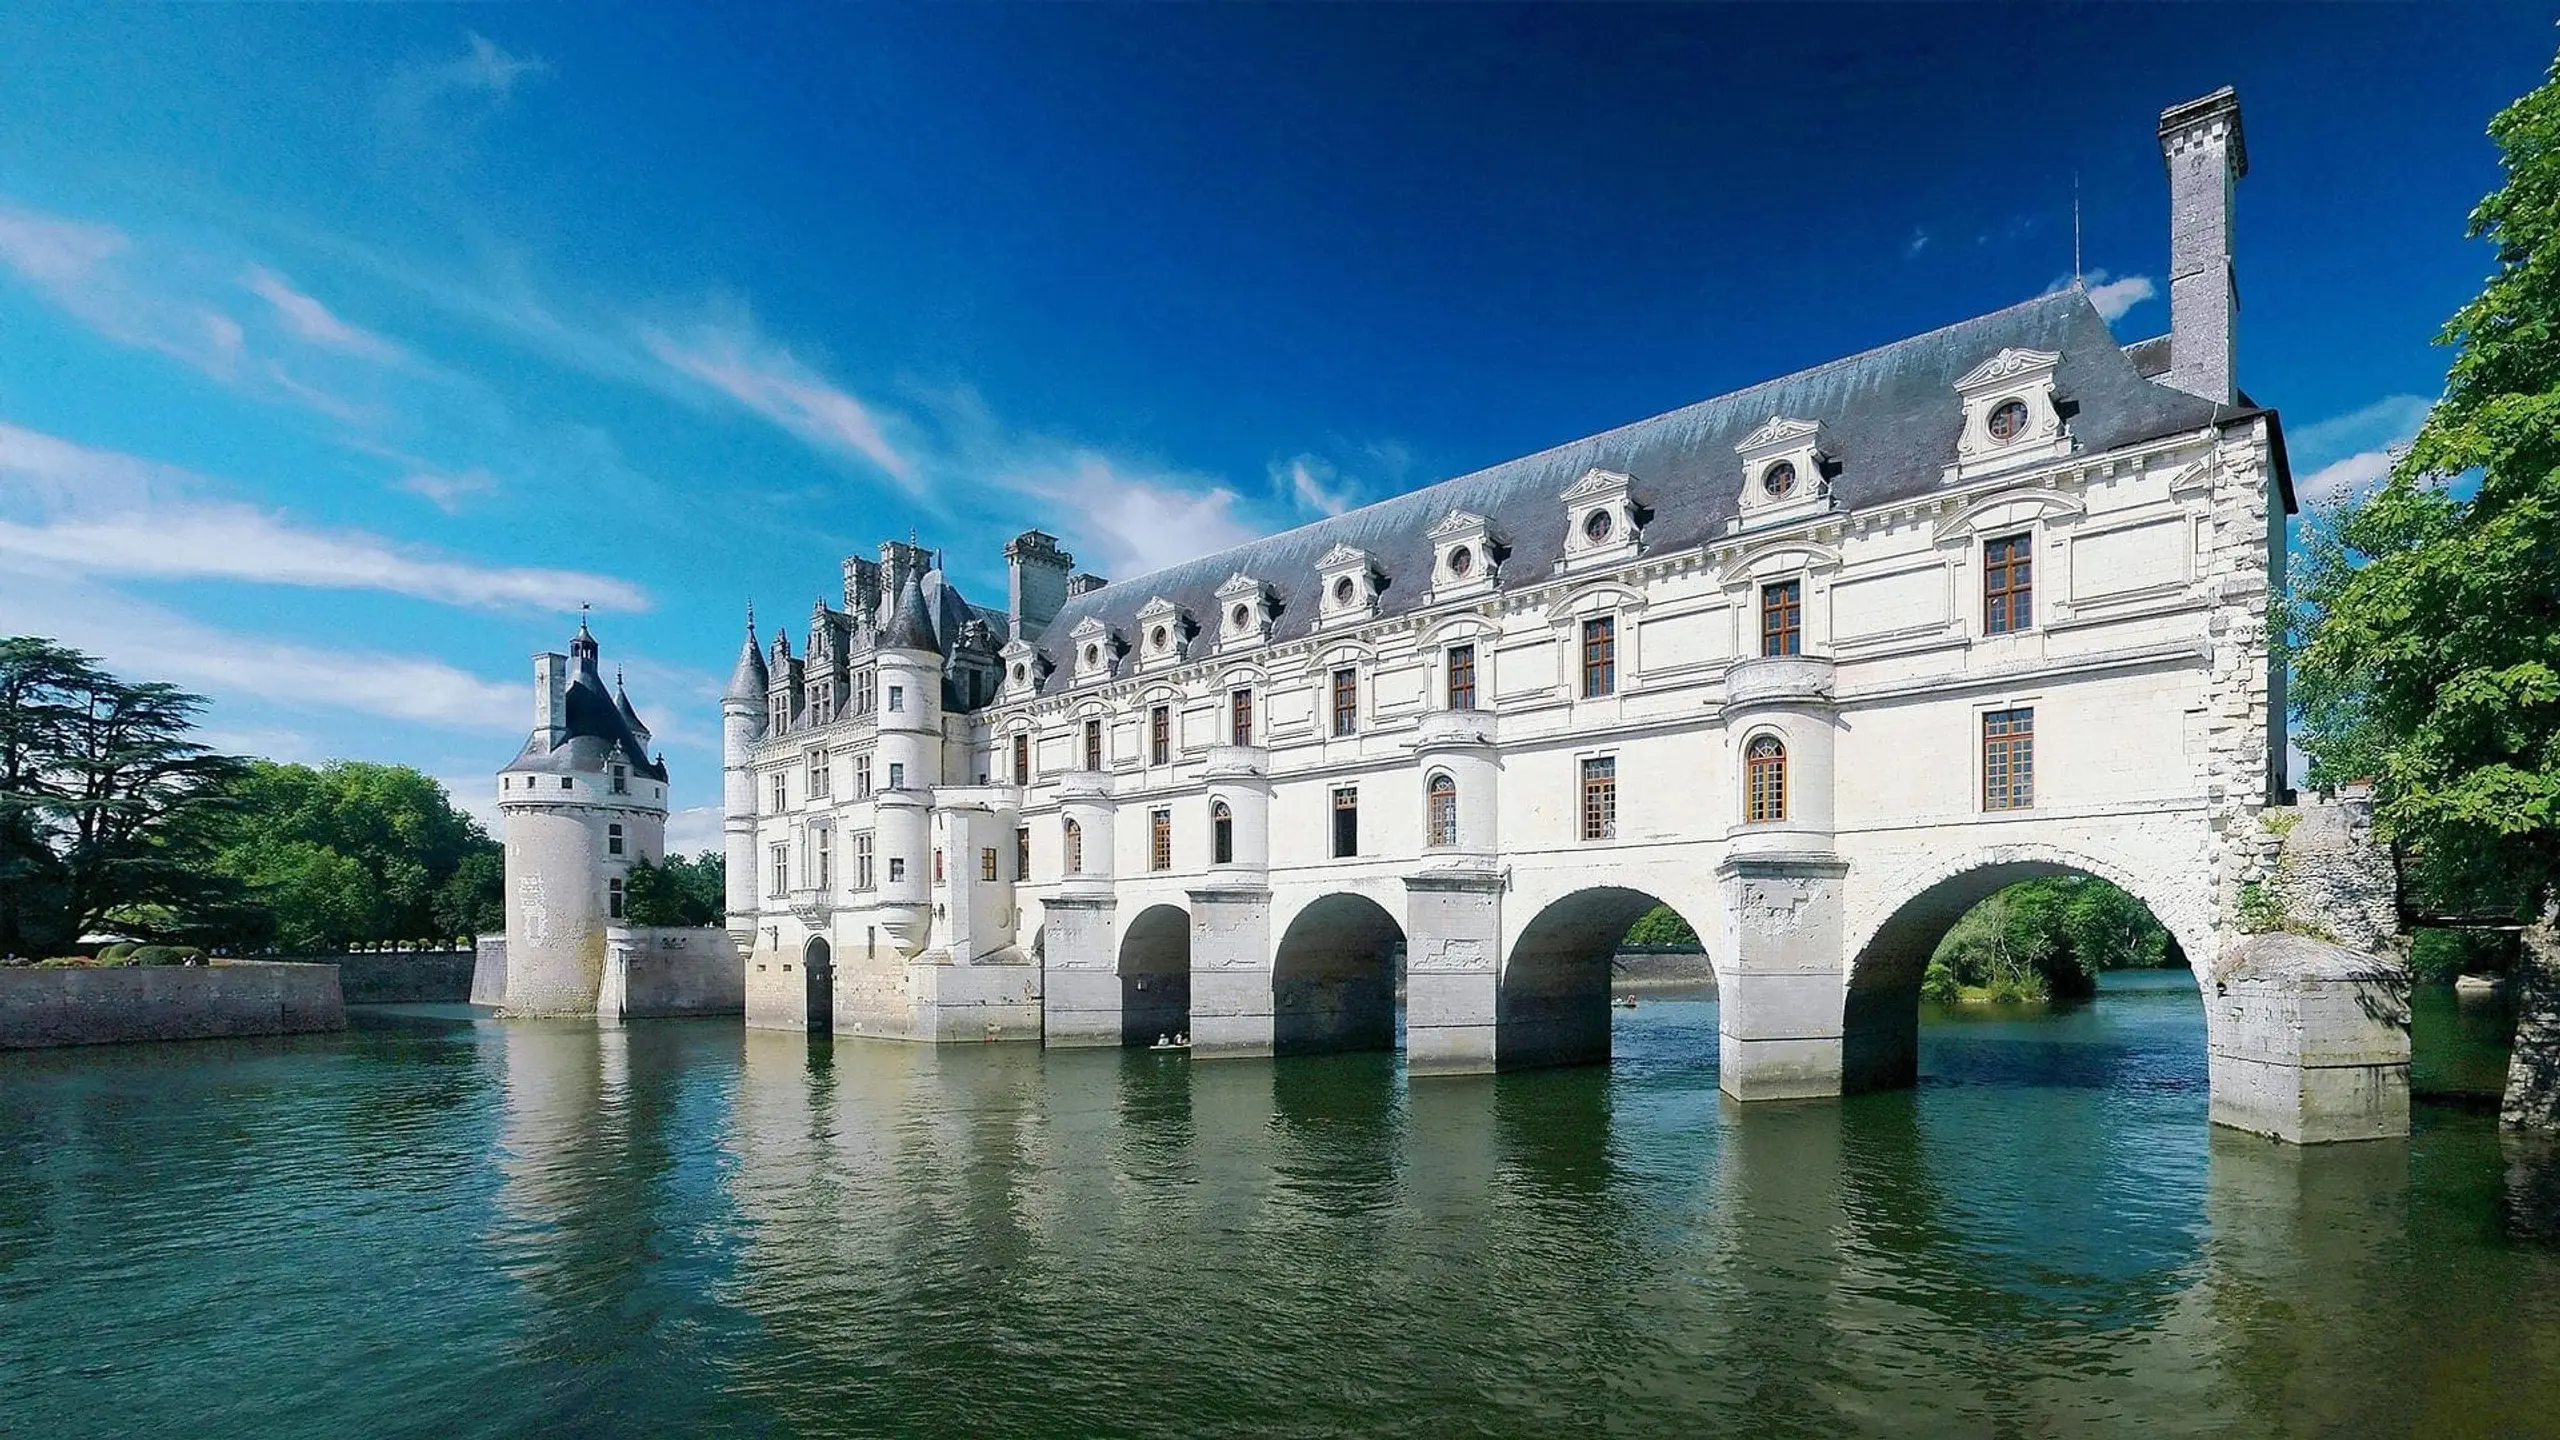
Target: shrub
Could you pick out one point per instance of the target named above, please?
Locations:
(115, 954)
(167, 955)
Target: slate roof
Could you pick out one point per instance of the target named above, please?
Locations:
(595, 730)
(1890, 418)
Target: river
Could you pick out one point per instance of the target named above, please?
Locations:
(440, 1225)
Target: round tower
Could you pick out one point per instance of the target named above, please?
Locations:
(742, 724)
(908, 671)
(581, 802)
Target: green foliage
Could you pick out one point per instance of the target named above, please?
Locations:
(2044, 939)
(106, 802)
(2441, 955)
(2261, 912)
(677, 891)
(353, 853)
(2427, 641)
(117, 952)
(166, 955)
(1661, 926)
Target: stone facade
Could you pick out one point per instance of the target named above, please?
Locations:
(1819, 664)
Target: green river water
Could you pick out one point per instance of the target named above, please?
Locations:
(439, 1225)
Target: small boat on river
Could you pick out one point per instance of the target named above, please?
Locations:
(1173, 1042)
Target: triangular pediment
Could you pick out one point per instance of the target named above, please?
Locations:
(1090, 627)
(2009, 364)
(1343, 557)
(1460, 522)
(1159, 608)
(1779, 432)
(1240, 586)
(1597, 482)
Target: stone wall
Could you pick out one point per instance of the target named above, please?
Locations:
(429, 977)
(82, 1006)
(663, 973)
(2330, 877)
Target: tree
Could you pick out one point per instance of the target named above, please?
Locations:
(2429, 615)
(2045, 939)
(677, 891)
(106, 803)
(355, 853)
(1661, 925)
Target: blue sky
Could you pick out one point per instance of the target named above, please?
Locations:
(345, 351)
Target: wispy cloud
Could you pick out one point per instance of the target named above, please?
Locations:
(734, 358)
(1129, 520)
(2349, 455)
(2114, 297)
(140, 639)
(97, 512)
(1315, 483)
(1919, 241)
(427, 95)
(313, 321)
(447, 492)
(79, 267)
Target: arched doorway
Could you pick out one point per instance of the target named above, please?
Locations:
(1333, 978)
(1155, 975)
(818, 973)
(1881, 1019)
(1553, 1005)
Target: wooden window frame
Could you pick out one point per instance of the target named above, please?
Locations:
(1160, 839)
(1782, 617)
(1160, 735)
(1022, 758)
(2009, 758)
(780, 856)
(1599, 657)
(1346, 822)
(1071, 845)
(2008, 584)
(1222, 833)
(1022, 852)
(1598, 812)
(1462, 676)
(1346, 701)
(1440, 810)
(1240, 716)
(1093, 744)
(986, 862)
(863, 877)
(1764, 780)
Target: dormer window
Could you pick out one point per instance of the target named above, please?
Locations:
(1461, 560)
(1785, 473)
(1779, 480)
(1468, 555)
(1603, 523)
(1351, 585)
(1024, 668)
(1097, 650)
(1246, 609)
(1167, 630)
(2013, 416)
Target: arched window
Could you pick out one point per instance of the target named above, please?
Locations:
(1075, 848)
(1444, 810)
(1222, 833)
(1765, 779)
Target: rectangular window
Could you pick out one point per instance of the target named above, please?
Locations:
(1159, 839)
(1239, 717)
(613, 898)
(1160, 735)
(862, 777)
(1093, 744)
(1600, 798)
(1462, 677)
(1022, 853)
(862, 683)
(781, 855)
(897, 869)
(1782, 618)
(1346, 822)
(1346, 701)
(897, 775)
(820, 777)
(781, 791)
(1021, 759)
(937, 865)
(2008, 585)
(1599, 656)
(862, 860)
(2009, 759)
(987, 863)
(621, 779)
(564, 782)
(613, 839)
(897, 698)
(825, 841)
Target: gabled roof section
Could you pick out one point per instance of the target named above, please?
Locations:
(1890, 417)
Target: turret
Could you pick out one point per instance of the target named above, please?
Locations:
(742, 723)
(908, 670)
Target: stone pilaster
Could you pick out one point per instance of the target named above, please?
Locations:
(1781, 999)
(1080, 978)
(1231, 1002)
(1452, 966)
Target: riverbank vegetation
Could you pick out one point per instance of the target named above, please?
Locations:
(2425, 625)
(2045, 940)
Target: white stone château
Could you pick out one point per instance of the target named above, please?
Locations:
(1819, 663)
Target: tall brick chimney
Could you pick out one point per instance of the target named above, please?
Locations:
(2201, 143)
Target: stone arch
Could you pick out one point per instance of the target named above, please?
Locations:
(1333, 977)
(1552, 1006)
(818, 975)
(1889, 953)
(1155, 975)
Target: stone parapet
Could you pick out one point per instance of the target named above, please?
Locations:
(2309, 1041)
(1791, 680)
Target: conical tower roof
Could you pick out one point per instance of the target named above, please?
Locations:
(911, 628)
(750, 680)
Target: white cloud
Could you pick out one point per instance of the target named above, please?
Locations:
(694, 829)
(489, 68)
(1919, 242)
(1315, 483)
(145, 640)
(447, 492)
(78, 266)
(732, 357)
(313, 321)
(454, 91)
(1128, 521)
(2114, 297)
(2350, 455)
(99, 512)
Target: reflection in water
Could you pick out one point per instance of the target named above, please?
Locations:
(437, 1224)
